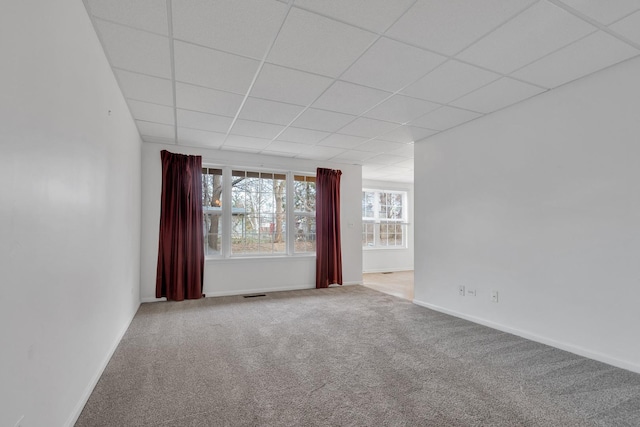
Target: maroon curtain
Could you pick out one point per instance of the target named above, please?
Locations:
(181, 247)
(328, 247)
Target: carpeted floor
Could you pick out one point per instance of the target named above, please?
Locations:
(347, 356)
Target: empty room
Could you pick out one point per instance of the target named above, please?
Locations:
(194, 192)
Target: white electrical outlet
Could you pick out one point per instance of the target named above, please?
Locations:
(461, 290)
(471, 292)
(494, 296)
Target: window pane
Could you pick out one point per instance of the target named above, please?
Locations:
(259, 221)
(212, 231)
(368, 200)
(305, 240)
(367, 234)
(304, 190)
(212, 210)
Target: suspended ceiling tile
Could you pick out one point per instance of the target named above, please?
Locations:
(386, 159)
(368, 128)
(536, 32)
(213, 68)
(497, 95)
(401, 109)
(407, 134)
(604, 12)
(338, 140)
(629, 27)
(151, 112)
(450, 81)
(447, 26)
(263, 110)
(379, 146)
(311, 42)
(135, 50)
(374, 15)
(303, 136)
(319, 152)
(391, 65)
(350, 98)
(203, 121)
(246, 142)
(285, 147)
(328, 121)
(243, 27)
(593, 53)
(149, 15)
(200, 138)
(145, 88)
(156, 129)
(406, 151)
(256, 129)
(407, 163)
(287, 85)
(211, 101)
(444, 118)
(354, 156)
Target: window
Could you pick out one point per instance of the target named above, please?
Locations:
(258, 220)
(212, 209)
(304, 193)
(384, 222)
(259, 200)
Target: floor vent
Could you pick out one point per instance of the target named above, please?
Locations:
(387, 272)
(254, 296)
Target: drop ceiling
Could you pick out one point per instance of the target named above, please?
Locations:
(347, 81)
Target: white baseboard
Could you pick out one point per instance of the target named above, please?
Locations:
(75, 414)
(250, 291)
(387, 270)
(580, 351)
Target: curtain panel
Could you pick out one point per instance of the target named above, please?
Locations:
(181, 245)
(328, 245)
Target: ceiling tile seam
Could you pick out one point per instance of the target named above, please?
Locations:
(596, 71)
(259, 70)
(216, 49)
(306, 9)
(129, 26)
(595, 23)
(337, 78)
(108, 57)
(147, 102)
(496, 28)
(139, 73)
(546, 55)
(622, 18)
(173, 68)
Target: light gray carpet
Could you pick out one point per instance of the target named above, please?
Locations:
(345, 357)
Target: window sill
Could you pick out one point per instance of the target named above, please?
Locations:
(385, 248)
(254, 258)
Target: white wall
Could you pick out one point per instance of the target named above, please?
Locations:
(69, 212)
(238, 275)
(540, 202)
(381, 260)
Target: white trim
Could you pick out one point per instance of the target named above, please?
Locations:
(390, 270)
(580, 351)
(75, 414)
(152, 299)
(238, 292)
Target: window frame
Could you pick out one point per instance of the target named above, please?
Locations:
(225, 252)
(377, 222)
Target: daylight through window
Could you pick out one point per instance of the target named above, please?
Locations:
(384, 221)
(260, 220)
